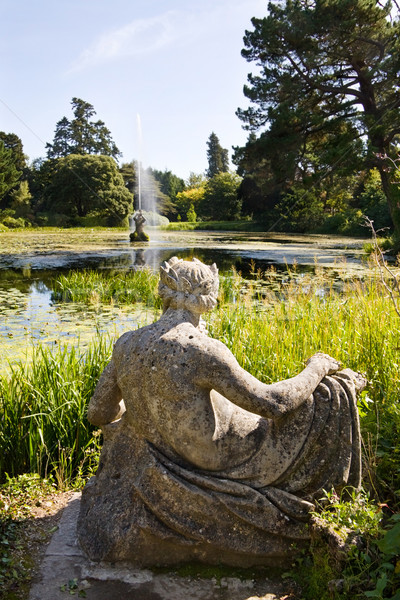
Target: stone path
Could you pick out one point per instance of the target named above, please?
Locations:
(66, 572)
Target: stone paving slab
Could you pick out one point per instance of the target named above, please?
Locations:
(66, 572)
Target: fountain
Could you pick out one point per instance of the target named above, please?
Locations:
(146, 197)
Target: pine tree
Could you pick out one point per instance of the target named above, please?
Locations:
(218, 159)
(9, 174)
(82, 135)
(327, 87)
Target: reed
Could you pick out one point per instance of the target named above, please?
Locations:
(272, 334)
(43, 405)
(104, 287)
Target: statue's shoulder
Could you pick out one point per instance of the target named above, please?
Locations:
(132, 338)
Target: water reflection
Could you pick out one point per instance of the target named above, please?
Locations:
(27, 313)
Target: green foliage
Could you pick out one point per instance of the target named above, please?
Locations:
(81, 135)
(191, 215)
(299, 210)
(347, 222)
(9, 174)
(10, 222)
(43, 405)
(351, 511)
(21, 200)
(170, 185)
(221, 200)
(12, 142)
(191, 197)
(128, 172)
(81, 185)
(325, 96)
(218, 160)
(99, 287)
(372, 201)
(242, 225)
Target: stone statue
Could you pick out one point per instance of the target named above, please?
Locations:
(201, 461)
(139, 235)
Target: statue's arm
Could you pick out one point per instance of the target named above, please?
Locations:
(106, 403)
(221, 371)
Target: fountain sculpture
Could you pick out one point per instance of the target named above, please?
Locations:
(139, 235)
(202, 461)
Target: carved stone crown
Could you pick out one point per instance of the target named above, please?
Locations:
(188, 284)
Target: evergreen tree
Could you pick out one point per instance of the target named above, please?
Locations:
(128, 172)
(218, 159)
(82, 135)
(14, 143)
(327, 89)
(83, 185)
(62, 142)
(170, 185)
(9, 174)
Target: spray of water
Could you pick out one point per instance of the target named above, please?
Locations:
(146, 191)
(139, 163)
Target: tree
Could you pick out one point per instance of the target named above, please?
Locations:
(14, 143)
(128, 172)
(83, 185)
(9, 174)
(328, 82)
(188, 201)
(21, 200)
(218, 160)
(221, 201)
(195, 180)
(170, 185)
(82, 135)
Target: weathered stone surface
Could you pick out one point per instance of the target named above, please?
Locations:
(139, 235)
(201, 461)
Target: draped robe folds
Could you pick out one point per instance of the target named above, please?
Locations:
(150, 504)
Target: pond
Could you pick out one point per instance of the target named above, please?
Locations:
(30, 261)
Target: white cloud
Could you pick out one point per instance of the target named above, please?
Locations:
(149, 35)
(141, 36)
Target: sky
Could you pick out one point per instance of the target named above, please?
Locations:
(175, 63)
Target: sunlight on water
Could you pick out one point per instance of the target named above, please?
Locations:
(27, 319)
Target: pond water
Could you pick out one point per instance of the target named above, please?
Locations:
(30, 262)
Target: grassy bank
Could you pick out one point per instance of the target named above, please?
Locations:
(244, 225)
(272, 331)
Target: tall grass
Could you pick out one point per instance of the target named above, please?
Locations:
(272, 334)
(103, 287)
(271, 330)
(43, 405)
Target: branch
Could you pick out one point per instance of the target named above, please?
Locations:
(322, 87)
(379, 45)
(392, 134)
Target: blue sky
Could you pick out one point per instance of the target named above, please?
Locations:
(175, 63)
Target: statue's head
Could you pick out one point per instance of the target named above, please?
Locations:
(188, 284)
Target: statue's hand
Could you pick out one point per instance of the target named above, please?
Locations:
(329, 364)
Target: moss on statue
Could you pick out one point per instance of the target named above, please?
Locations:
(138, 236)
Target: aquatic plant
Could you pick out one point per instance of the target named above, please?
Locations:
(104, 287)
(43, 405)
